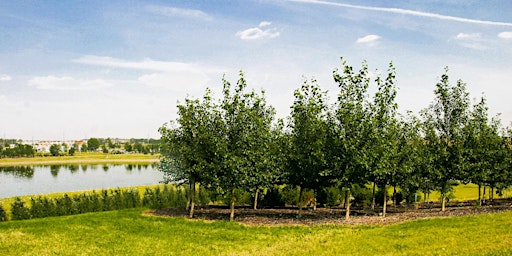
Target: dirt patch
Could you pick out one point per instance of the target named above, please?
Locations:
(334, 216)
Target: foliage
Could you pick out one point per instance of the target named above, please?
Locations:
(3, 214)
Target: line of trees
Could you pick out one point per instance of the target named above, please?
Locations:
(236, 143)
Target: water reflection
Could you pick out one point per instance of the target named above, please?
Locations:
(18, 171)
(28, 171)
(30, 180)
(54, 170)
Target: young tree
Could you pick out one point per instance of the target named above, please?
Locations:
(383, 153)
(307, 159)
(190, 148)
(351, 127)
(444, 122)
(246, 119)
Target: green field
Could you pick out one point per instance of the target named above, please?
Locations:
(82, 158)
(129, 232)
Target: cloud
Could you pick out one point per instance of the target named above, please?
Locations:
(178, 76)
(5, 78)
(505, 35)
(369, 39)
(407, 12)
(472, 41)
(145, 64)
(258, 32)
(66, 83)
(179, 12)
(464, 36)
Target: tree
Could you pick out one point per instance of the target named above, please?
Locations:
(444, 122)
(307, 159)
(351, 129)
(190, 149)
(55, 150)
(246, 120)
(93, 144)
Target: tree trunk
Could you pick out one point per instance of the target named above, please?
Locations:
(188, 194)
(192, 198)
(299, 203)
(483, 196)
(373, 196)
(492, 193)
(347, 204)
(314, 200)
(394, 196)
(255, 205)
(232, 205)
(479, 195)
(384, 204)
(443, 202)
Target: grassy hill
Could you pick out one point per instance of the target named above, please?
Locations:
(130, 232)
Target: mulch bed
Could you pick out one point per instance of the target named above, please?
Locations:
(333, 216)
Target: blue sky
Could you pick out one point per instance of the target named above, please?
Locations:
(80, 69)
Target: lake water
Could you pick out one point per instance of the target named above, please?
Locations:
(31, 180)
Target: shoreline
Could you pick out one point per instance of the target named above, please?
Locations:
(81, 159)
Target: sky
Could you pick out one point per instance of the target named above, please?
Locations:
(74, 70)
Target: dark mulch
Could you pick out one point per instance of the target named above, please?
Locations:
(336, 216)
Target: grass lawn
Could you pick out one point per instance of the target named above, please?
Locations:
(80, 158)
(128, 232)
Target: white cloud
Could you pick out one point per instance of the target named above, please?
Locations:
(179, 12)
(66, 83)
(472, 41)
(265, 23)
(505, 35)
(407, 12)
(178, 76)
(369, 39)
(146, 64)
(5, 78)
(258, 32)
(464, 36)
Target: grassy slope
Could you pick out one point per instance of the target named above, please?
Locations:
(79, 158)
(127, 232)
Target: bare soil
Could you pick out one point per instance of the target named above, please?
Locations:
(336, 216)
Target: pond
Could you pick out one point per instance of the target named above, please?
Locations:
(31, 180)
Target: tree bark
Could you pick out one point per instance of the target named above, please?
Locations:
(192, 198)
(394, 196)
(483, 196)
(300, 201)
(232, 205)
(347, 204)
(384, 204)
(479, 195)
(255, 205)
(188, 194)
(373, 196)
(314, 200)
(443, 202)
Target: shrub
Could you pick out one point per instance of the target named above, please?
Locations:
(331, 196)
(19, 211)
(272, 198)
(362, 196)
(290, 195)
(3, 214)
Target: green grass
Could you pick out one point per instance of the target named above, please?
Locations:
(128, 232)
(79, 158)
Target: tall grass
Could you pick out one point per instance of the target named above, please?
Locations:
(128, 232)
